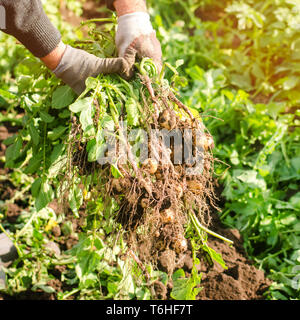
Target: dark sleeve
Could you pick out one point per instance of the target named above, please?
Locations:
(27, 22)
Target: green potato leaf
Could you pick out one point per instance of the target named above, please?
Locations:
(62, 97)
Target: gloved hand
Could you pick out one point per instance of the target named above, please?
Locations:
(77, 65)
(135, 30)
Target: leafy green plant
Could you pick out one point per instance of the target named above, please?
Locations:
(252, 46)
(259, 46)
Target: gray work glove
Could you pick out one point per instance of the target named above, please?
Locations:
(8, 253)
(77, 65)
(135, 30)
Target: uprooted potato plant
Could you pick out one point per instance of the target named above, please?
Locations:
(150, 155)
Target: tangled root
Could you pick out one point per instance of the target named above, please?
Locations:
(155, 196)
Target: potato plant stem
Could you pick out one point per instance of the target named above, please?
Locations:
(198, 225)
(67, 295)
(83, 23)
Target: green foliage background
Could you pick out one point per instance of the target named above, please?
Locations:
(239, 66)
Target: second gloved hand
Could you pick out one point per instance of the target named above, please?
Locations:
(77, 65)
(135, 30)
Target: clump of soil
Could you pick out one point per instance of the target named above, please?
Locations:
(29, 295)
(7, 189)
(66, 240)
(12, 212)
(241, 281)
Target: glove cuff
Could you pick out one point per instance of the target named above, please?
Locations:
(70, 70)
(64, 62)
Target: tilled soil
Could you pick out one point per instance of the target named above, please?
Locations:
(241, 281)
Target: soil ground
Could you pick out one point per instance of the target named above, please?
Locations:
(241, 281)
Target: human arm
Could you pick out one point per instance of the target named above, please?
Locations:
(27, 22)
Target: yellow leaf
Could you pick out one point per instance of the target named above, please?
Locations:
(50, 225)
